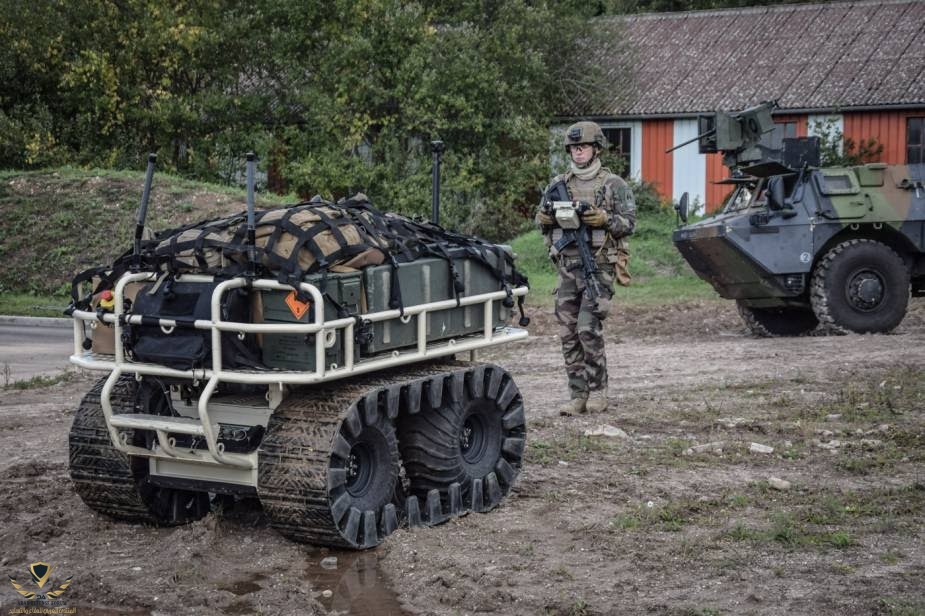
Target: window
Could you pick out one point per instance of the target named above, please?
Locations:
(915, 141)
(833, 182)
(782, 130)
(619, 142)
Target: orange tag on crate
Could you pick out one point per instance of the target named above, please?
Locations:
(297, 308)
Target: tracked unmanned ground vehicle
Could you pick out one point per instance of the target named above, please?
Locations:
(305, 356)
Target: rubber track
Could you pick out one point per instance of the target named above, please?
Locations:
(294, 457)
(102, 475)
(294, 485)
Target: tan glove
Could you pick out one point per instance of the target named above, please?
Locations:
(595, 217)
(545, 219)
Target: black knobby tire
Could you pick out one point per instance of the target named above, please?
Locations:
(779, 321)
(363, 472)
(327, 478)
(860, 286)
(117, 485)
(468, 436)
(328, 471)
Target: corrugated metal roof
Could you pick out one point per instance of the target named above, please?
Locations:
(840, 55)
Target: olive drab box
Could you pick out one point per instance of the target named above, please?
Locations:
(424, 281)
(297, 351)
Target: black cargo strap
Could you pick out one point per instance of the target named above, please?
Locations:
(82, 303)
(108, 276)
(456, 285)
(395, 301)
(169, 257)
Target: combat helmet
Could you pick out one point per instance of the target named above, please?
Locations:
(584, 132)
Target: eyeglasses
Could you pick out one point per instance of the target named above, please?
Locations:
(580, 146)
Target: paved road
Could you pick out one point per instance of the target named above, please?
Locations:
(33, 346)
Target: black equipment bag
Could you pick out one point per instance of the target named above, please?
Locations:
(185, 347)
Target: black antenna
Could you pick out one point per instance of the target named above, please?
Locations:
(251, 226)
(437, 148)
(143, 213)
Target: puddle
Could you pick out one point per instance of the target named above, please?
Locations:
(357, 585)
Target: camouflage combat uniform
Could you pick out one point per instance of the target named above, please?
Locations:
(580, 321)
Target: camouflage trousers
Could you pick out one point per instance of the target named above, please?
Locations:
(581, 327)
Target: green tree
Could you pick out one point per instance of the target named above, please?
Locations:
(335, 97)
(484, 77)
(837, 151)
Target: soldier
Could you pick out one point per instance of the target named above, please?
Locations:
(610, 218)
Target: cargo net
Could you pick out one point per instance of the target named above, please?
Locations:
(309, 238)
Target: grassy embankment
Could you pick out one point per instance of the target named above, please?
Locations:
(61, 221)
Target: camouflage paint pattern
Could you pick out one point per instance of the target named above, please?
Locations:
(769, 263)
(581, 326)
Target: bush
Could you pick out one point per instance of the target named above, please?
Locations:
(648, 201)
(28, 138)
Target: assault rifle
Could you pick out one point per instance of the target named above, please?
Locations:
(567, 214)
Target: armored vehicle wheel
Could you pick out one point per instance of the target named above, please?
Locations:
(860, 286)
(782, 321)
(467, 441)
(117, 485)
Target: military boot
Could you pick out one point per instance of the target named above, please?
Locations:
(573, 407)
(597, 401)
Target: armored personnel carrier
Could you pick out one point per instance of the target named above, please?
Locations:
(805, 248)
(305, 356)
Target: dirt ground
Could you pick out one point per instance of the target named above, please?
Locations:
(681, 513)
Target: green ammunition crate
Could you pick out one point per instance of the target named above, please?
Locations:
(424, 281)
(297, 351)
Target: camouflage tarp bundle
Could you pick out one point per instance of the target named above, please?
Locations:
(307, 238)
(300, 239)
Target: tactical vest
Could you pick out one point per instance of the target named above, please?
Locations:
(590, 191)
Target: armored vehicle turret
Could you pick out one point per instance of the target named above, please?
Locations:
(303, 355)
(805, 248)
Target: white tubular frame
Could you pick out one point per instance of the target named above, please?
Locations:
(119, 365)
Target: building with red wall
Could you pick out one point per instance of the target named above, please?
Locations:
(858, 66)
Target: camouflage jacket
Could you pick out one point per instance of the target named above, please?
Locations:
(606, 190)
